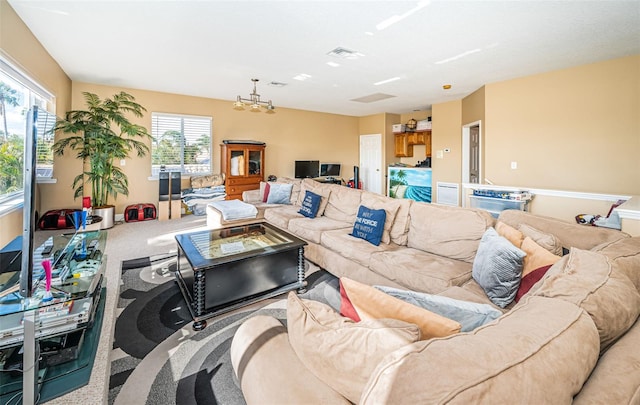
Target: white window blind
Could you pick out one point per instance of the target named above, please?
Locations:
(181, 143)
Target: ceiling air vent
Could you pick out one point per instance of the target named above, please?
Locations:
(344, 53)
(277, 84)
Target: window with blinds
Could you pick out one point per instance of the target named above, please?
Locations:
(180, 143)
(19, 93)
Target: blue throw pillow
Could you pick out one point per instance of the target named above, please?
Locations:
(310, 204)
(279, 193)
(369, 224)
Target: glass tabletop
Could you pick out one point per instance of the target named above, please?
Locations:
(217, 246)
(76, 260)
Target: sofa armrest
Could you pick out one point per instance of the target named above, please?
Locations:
(251, 196)
(268, 369)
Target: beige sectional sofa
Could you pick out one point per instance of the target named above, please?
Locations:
(572, 338)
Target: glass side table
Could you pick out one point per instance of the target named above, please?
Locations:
(36, 333)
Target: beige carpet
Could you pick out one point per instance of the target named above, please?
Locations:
(124, 241)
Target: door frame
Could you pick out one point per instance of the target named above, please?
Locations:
(466, 130)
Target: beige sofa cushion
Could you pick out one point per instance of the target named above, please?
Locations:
(625, 254)
(616, 378)
(261, 344)
(359, 250)
(311, 229)
(343, 203)
(587, 279)
(420, 271)
(281, 215)
(451, 232)
(527, 356)
(569, 234)
(340, 352)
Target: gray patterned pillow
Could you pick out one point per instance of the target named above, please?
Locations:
(497, 267)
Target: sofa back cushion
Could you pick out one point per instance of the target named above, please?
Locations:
(589, 279)
(569, 234)
(625, 255)
(452, 232)
(317, 188)
(539, 353)
(343, 203)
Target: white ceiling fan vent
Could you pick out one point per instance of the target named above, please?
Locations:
(344, 53)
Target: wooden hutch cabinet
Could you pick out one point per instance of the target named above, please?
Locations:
(243, 167)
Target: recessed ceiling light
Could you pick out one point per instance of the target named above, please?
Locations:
(393, 79)
(302, 77)
(333, 64)
(372, 98)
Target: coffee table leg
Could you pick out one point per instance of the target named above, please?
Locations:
(302, 289)
(199, 296)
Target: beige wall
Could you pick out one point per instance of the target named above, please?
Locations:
(446, 133)
(22, 49)
(289, 134)
(574, 129)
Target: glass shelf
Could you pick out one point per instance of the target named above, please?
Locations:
(52, 331)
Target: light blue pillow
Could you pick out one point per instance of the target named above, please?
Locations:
(469, 314)
(279, 193)
(369, 225)
(310, 204)
(497, 267)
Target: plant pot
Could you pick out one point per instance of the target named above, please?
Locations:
(108, 214)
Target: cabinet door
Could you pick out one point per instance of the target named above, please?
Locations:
(427, 142)
(402, 147)
(255, 163)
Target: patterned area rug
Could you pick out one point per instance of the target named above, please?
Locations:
(157, 358)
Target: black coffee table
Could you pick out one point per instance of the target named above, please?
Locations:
(223, 269)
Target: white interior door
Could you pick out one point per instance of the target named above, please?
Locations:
(371, 162)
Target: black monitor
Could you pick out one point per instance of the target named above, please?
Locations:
(307, 168)
(330, 169)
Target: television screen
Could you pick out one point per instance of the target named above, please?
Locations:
(307, 168)
(330, 169)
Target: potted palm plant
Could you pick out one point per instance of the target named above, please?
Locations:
(102, 134)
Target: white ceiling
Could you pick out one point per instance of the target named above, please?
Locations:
(213, 48)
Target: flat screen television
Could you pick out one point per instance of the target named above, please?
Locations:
(307, 168)
(329, 169)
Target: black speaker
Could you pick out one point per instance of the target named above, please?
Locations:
(356, 177)
(175, 185)
(163, 180)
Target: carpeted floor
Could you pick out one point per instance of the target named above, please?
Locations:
(157, 358)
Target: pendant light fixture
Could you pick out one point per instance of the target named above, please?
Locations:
(253, 102)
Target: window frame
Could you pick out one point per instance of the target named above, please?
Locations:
(37, 95)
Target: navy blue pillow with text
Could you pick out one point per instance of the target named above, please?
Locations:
(310, 204)
(369, 224)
